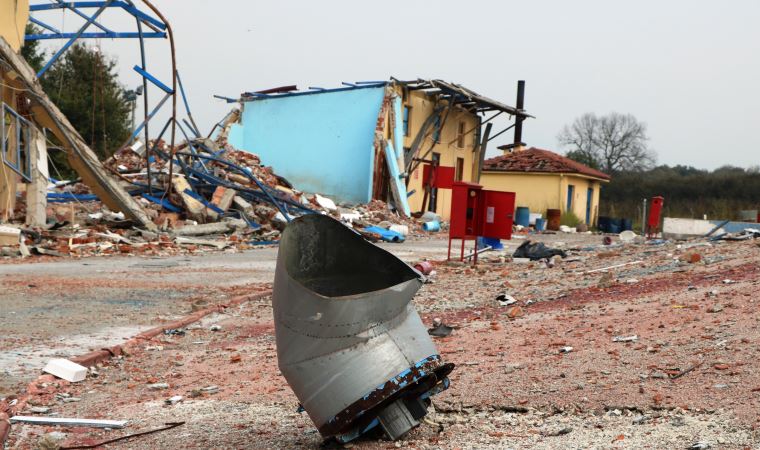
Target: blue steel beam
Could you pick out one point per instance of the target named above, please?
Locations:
(153, 80)
(112, 35)
(227, 99)
(97, 4)
(150, 116)
(85, 17)
(73, 39)
(187, 107)
(44, 25)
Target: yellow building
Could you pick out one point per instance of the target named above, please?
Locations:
(13, 17)
(544, 180)
(442, 123)
(23, 163)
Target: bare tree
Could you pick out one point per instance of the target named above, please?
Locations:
(613, 143)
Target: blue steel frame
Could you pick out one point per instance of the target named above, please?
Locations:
(22, 166)
(158, 29)
(156, 25)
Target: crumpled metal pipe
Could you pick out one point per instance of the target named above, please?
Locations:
(349, 342)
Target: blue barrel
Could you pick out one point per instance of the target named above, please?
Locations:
(522, 216)
(540, 224)
(433, 225)
(626, 224)
(603, 223)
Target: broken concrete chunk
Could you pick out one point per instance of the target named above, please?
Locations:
(325, 202)
(203, 229)
(65, 369)
(194, 241)
(243, 205)
(9, 235)
(223, 197)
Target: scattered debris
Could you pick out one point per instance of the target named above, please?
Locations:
(536, 251)
(506, 299)
(616, 266)
(65, 369)
(514, 312)
(173, 400)
(167, 426)
(440, 329)
(69, 422)
(632, 338)
(558, 432)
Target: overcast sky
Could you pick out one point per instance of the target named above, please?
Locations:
(689, 69)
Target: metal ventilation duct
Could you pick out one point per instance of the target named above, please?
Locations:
(349, 342)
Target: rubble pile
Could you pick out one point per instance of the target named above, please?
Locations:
(212, 197)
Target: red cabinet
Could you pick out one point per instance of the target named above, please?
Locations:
(655, 211)
(497, 209)
(478, 212)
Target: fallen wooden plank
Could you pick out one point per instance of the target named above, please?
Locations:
(69, 422)
(193, 207)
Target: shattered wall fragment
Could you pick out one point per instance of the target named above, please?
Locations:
(349, 342)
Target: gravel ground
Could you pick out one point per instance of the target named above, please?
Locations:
(512, 388)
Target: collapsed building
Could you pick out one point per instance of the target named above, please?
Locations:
(373, 140)
(153, 182)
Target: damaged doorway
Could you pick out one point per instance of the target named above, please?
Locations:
(433, 190)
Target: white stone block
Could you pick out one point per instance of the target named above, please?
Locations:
(63, 368)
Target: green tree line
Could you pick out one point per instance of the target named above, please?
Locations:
(688, 192)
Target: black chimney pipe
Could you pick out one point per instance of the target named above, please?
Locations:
(519, 105)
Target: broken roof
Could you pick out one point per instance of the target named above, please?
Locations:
(464, 97)
(537, 160)
(456, 93)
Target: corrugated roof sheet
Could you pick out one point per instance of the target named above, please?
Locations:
(540, 161)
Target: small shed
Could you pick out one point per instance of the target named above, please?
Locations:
(542, 180)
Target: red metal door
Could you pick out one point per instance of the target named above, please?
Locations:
(497, 209)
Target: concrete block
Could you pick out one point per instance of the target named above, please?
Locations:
(63, 368)
(9, 235)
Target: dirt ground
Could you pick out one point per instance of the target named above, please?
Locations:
(690, 375)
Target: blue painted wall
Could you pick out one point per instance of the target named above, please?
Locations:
(320, 142)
